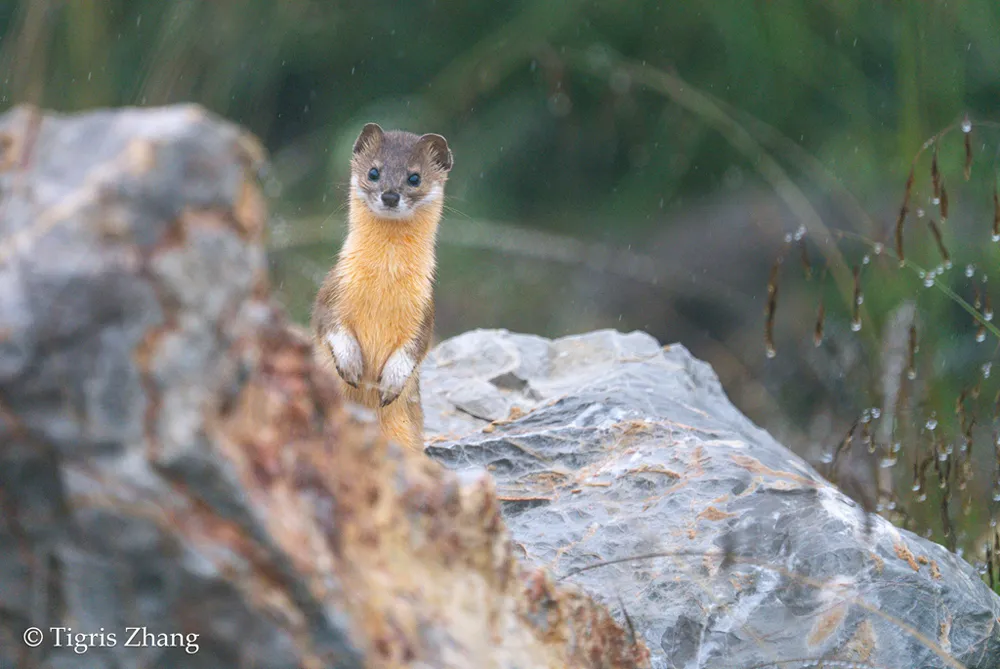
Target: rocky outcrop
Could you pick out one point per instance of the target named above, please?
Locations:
(623, 467)
(171, 460)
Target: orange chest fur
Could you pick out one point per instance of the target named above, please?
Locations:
(385, 286)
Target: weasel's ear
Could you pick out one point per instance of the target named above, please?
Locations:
(437, 147)
(370, 135)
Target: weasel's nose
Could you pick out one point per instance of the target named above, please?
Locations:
(390, 199)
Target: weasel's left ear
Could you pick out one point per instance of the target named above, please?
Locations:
(371, 135)
(437, 147)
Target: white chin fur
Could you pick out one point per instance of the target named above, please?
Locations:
(394, 214)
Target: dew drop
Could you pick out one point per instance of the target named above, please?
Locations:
(920, 212)
(889, 461)
(788, 238)
(876, 413)
(878, 248)
(935, 201)
(966, 125)
(980, 337)
(987, 367)
(800, 232)
(770, 352)
(860, 300)
(866, 259)
(929, 280)
(988, 315)
(856, 325)
(931, 424)
(911, 374)
(970, 270)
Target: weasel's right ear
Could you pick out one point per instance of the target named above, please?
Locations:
(437, 146)
(370, 135)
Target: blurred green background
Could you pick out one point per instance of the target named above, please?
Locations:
(626, 164)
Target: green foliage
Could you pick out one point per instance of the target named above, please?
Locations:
(859, 85)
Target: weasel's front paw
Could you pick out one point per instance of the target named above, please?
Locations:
(396, 372)
(346, 356)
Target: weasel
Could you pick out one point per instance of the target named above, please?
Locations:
(373, 316)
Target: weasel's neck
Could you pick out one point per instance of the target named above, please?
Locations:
(398, 245)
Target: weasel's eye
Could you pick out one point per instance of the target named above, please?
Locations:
(373, 174)
(414, 180)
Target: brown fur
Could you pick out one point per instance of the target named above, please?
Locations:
(381, 289)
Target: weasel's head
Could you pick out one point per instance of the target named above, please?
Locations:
(396, 174)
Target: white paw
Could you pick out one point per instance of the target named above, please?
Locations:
(346, 356)
(396, 372)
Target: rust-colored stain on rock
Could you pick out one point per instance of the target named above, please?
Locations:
(903, 553)
(714, 513)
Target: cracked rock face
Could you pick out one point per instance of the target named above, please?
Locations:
(172, 458)
(613, 447)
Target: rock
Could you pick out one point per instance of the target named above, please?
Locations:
(622, 451)
(172, 461)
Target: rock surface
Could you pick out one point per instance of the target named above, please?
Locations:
(171, 459)
(606, 446)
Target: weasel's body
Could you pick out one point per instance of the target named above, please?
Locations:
(374, 315)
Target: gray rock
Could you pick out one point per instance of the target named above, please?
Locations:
(130, 250)
(174, 462)
(628, 449)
